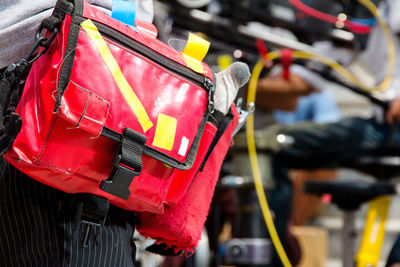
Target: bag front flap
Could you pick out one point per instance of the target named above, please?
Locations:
(146, 85)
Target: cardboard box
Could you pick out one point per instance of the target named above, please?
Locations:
(314, 245)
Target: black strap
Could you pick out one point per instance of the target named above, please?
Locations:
(163, 249)
(131, 150)
(223, 122)
(62, 8)
(11, 130)
(92, 211)
(10, 85)
(127, 164)
(70, 50)
(5, 88)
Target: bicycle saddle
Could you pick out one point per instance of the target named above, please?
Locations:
(349, 195)
(382, 164)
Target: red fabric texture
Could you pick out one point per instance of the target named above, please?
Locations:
(181, 225)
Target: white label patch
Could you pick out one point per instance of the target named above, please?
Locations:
(184, 146)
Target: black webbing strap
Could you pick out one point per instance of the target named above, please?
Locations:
(131, 150)
(62, 8)
(11, 130)
(223, 122)
(10, 122)
(91, 211)
(5, 88)
(163, 249)
(127, 164)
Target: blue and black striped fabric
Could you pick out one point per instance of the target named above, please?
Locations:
(38, 227)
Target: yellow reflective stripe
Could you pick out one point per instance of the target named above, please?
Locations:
(126, 90)
(195, 51)
(165, 132)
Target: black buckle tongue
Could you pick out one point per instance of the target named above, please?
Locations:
(127, 164)
(119, 181)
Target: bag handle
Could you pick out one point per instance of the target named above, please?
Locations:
(53, 22)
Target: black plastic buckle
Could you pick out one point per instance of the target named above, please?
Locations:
(127, 164)
(93, 216)
(41, 41)
(120, 179)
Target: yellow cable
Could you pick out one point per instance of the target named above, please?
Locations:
(389, 42)
(342, 70)
(347, 74)
(251, 97)
(255, 168)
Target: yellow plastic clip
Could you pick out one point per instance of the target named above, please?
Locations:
(195, 51)
(374, 232)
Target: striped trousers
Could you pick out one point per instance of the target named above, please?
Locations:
(38, 227)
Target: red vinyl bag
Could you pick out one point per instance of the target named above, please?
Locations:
(186, 219)
(111, 111)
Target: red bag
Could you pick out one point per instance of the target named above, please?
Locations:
(181, 226)
(113, 112)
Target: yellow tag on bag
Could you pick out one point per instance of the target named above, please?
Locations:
(195, 51)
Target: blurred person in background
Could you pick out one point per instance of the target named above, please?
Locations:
(318, 107)
(327, 145)
(304, 98)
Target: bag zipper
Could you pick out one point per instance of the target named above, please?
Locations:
(161, 60)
